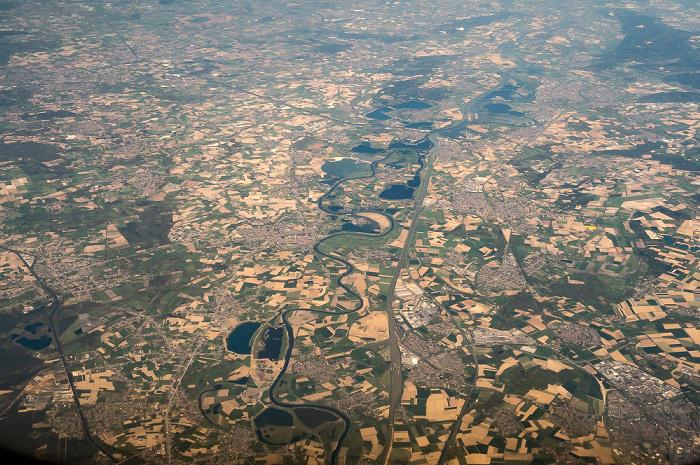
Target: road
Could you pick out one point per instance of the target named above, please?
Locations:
(396, 388)
(55, 304)
(467, 400)
(194, 350)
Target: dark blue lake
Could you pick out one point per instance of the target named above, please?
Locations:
(379, 114)
(505, 94)
(498, 108)
(274, 416)
(413, 105)
(33, 327)
(239, 339)
(501, 109)
(366, 148)
(35, 344)
(368, 227)
(397, 192)
(273, 344)
(423, 144)
(415, 182)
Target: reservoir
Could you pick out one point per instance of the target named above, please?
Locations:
(423, 144)
(239, 339)
(343, 168)
(413, 105)
(273, 344)
(501, 108)
(366, 148)
(35, 344)
(379, 114)
(397, 192)
(498, 108)
(33, 327)
(273, 416)
(313, 417)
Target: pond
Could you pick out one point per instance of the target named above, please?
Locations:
(239, 339)
(33, 327)
(397, 192)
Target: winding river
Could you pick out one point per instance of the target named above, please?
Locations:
(420, 146)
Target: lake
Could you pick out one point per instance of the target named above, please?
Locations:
(313, 417)
(344, 168)
(500, 109)
(35, 344)
(412, 105)
(274, 416)
(379, 114)
(239, 340)
(397, 192)
(365, 148)
(273, 344)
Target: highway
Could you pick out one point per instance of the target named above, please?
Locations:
(396, 388)
(55, 304)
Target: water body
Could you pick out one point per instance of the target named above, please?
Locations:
(504, 94)
(415, 182)
(35, 344)
(313, 417)
(368, 227)
(328, 182)
(366, 148)
(367, 157)
(239, 339)
(273, 416)
(344, 168)
(413, 105)
(380, 114)
(273, 344)
(501, 109)
(33, 327)
(423, 144)
(397, 192)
